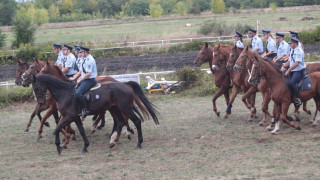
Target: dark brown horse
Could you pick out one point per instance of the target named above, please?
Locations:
(112, 95)
(221, 76)
(239, 79)
(280, 93)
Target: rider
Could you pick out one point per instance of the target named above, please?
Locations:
(271, 49)
(296, 35)
(256, 42)
(79, 57)
(58, 51)
(69, 61)
(88, 72)
(297, 68)
(283, 49)
(238, 39)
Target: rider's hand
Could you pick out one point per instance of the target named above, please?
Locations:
(283, 69)
(71, 79)
(275, 59)
(79, 80)
(286, 74)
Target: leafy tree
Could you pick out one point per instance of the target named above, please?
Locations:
(181, 8)
(203, 5)
(40, 17)
(44, 3)
(273, 6)
(53, 11)
(137, 7)
(23, 31)
(2, 39)
(66, 7)
(7, 10)
(167, 6)
(36, 16)
(155, 10)
(218, 6)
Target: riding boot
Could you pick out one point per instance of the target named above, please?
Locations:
(83, 104)
(298, 99)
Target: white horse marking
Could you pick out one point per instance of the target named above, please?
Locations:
(276, 128)
(250, 73)
(113, 137)
(315, 123)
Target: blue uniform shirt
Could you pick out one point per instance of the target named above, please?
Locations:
(60, 58)
(271, 45)
(297, 55)
(79, 63)
(89, 65)
(70, 62)
(257, 44)
(283, 49)
(239, 44)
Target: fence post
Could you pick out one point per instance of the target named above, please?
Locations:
(162, 43)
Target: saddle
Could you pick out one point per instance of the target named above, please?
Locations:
(92, 95)
(304, 84)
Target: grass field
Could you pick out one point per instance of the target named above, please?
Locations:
(190, 143)
(170, 29)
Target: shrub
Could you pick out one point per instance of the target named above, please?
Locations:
(16, 93)
(2, 39)
(190, 77)
(310, 37)
(221, 28)
(155, 10)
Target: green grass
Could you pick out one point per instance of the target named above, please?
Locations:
(190, 143)
(170, 28)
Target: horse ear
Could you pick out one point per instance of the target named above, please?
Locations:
(36, 60)
(201, 46)
(206, 45)
(19, 61)
(49, 62)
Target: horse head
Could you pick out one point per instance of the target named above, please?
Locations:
(22, 67)
(220, 55)
(46, 68)
(34, 69)
(242, 60)
(235, 52)
(204, 55)
(39, 90)
(256, 71)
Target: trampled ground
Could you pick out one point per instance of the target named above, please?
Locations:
(190, 143)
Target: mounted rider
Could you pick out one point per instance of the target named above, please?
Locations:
(283, 49)
(57, 49)
(271, 48)
(68, 62)
(256, 43)
(238, 39)
(87, 73)
(297, 68)
(79, 57)
(295, 34)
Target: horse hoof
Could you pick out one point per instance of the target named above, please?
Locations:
(64, 147)
(93, 131)
(111, 145)
(308, 112)
(129, 137)
(26, 130)
(38, 139)
(59, 149)
(139, 146)
(47, 124)
(100, 127)
(298, 128)
(218, 114)
(268, 129)
(84, 151)
(273, 133)
(256, 117)
(224, 117)
(314, 125)
(260, 124)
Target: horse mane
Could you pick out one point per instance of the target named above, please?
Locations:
(272, 64)
(64, 77)
(55, 82)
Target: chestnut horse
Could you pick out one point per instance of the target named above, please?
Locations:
(221, 77)
(280, 93)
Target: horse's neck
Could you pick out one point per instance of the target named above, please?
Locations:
(273, 78)
(60, 91)
(59, 74)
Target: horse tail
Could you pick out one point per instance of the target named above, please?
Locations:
(142, 107)
(150, 107)
(135, 109)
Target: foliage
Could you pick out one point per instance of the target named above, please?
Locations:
(16, 93)
(218, 6)
(2, 39)
(37, 16)
(53, 12)
(221, 28)
(66, 7)
(7, 10)
(155, 10)
(310, 37)
(273, 6)
(181, 8)
(137, 7)
(23, 31)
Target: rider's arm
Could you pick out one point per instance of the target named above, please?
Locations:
(66, 69)
(285, 65)
(295, 64)
(78, 74)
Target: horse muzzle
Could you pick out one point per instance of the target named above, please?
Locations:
(254, 82)
(229, 67)
(237, 68)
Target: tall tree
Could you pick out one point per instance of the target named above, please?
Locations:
(23, 31)
(7, 10)
(2, 39)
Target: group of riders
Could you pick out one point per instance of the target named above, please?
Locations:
(290, 56)
(83, 69)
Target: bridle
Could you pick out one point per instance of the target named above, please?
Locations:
(242, 66)
(233, 61)
(206, 56)
(47, 70)
(27, 76)
(218, 60)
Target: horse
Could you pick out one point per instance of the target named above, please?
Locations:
(281, 95)
(221, 76)
(242, 63)
(239, 79)
(111, 95)
(56, 72)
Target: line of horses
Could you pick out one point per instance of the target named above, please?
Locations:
(55, 93)
(250, 73)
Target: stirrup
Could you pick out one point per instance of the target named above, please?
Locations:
(84, 113)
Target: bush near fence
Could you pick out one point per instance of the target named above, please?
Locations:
(14, 94)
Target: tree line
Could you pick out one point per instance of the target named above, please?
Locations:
(73, 10)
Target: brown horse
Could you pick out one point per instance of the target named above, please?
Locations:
(239, 78)
(281, 95)
(221, 76)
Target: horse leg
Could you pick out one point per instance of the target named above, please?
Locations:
(83, 134)
(43, 120)
(276, 115)
(33, 114)
(221, 91)
(67, 135)
(56, 116)
(63, 122)
(103, 122)
(252, 101)
(120, 123)
(305, 109)
(265, 103)
(96, 122)
(316, 114)
(244, 98)
(284, 111)
(229, 103)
